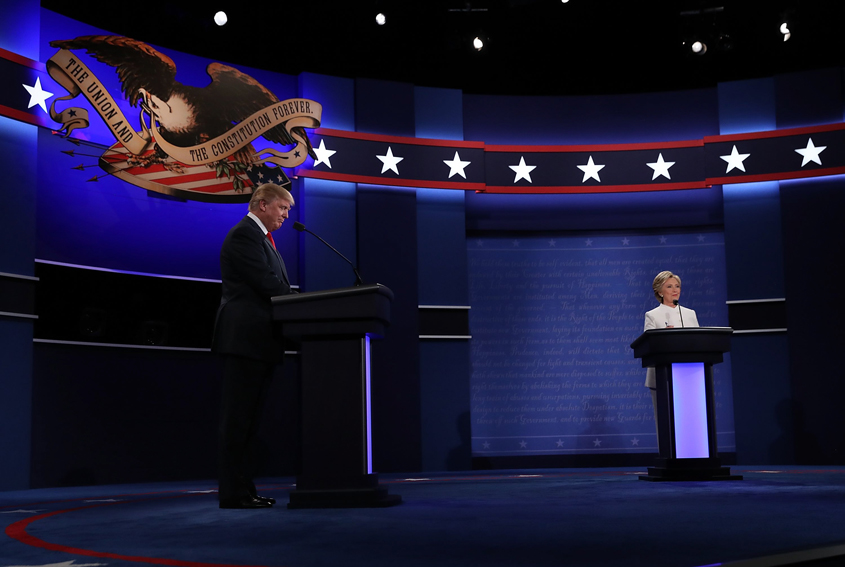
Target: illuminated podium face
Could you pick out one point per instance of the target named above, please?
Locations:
(690, 410)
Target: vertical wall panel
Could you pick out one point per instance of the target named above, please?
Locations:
(18, 144)
(813, 243)
(753, 240)
(19, 27)
(753, 247)
(384, 107)
(747, 106)
(327, 208)
(438, 113)
(809, 98)
(387, 245)
(335, 94)
(765, 433)
(442, 263)
(445, 402)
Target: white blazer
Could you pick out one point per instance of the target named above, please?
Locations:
(664, 316)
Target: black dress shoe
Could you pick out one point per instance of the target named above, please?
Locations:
(247, 502)
(266, 499)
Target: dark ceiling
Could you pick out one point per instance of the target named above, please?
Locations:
(533, 47)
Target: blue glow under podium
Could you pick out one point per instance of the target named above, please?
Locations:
(333, 329)
(683, 360)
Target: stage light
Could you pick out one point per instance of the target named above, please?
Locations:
(699, 48)
(785, 31)
(478, 44)
(381, 19)
(724, 42)
(220, 18)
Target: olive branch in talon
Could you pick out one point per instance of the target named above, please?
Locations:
(233, 171)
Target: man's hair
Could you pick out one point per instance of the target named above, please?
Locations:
(270, 192)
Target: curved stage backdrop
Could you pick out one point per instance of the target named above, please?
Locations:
(547, 216)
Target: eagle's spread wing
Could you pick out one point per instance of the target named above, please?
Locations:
(137, 64)
(234, 96)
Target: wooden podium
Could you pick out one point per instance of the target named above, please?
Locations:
(683, 360)
(334, 329)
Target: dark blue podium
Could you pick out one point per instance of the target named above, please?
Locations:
(334, 329)
(683, 360)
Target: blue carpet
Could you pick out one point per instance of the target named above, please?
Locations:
(601, 517)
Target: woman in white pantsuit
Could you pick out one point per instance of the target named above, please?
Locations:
(669, 314)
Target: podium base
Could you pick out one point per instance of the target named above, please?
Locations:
(343, 498)
(661, 474)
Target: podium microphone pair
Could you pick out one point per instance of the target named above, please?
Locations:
(301, 228)
(674, 301)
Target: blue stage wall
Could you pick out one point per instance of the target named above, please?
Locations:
(421, 249)
(552, 319)
(607, 119)
(17, 235)
(813, 243)
(442, 281)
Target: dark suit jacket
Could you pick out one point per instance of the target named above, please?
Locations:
(253, 272)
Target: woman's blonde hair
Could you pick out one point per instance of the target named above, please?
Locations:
(659, 280)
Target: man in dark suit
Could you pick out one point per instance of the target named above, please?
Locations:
(244, 334)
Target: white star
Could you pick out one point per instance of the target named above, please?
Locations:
(735, 160)
(323, 155)
(588, 242)
(522, 171)
(552, 243)
(635, 442)
(523, 444)
(625, 242)
(660, 167)
(37, 95)
(596, 443)
(456, 166)
(516, 242)
(559, 443)
(389, 161)
(591, 170)
(701, 238)
(811, 153)
(662, 240)
(479, 242)
(486, 444)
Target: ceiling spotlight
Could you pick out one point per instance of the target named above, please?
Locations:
(785, 31)
(220, 18)
(699, 48)
(724, 42)
(380, 19)
(478, 44)
(565, 1)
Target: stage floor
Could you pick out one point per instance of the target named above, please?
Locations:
(561, 517)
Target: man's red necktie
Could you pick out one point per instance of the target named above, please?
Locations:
(270, 236)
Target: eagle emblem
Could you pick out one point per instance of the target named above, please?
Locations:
(193, 142)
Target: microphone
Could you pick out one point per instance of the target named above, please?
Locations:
(675, 301)
(301, 228)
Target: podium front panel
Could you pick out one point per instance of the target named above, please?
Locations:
(689, 397)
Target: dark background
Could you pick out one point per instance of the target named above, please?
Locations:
(532, 46)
